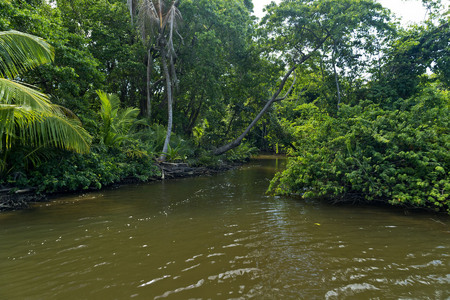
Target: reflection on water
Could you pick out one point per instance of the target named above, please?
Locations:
(220, 237)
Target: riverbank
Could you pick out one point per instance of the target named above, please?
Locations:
(12, 198)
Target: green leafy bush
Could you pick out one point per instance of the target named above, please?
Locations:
(73, 172)
(241, 153)
(399, 155)
(151, 139)
(206, 159)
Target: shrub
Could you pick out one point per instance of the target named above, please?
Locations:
(241, 153)
(73, 172)
(398, 155)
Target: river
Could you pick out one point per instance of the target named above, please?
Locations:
(220, 237)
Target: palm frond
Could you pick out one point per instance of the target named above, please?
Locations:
(110, 104)
(20, 125)
(117, 123)
(106, 113)
(6, 125)
(27, 116)
(36, 156)
(68, 113)
(20, 52)
(148, 19)
(50, 129)
(115, 101)
(13, 92)
(171, 20)
(126, 119)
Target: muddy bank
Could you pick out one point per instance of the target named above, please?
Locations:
(12, 199)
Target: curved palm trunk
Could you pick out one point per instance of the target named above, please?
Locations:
(169, 103)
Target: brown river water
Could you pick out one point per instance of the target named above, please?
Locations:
(220, 237)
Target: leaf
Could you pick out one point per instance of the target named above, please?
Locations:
(20, 52)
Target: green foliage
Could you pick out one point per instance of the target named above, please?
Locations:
(27, 117)
(242, 153)
(219, 54)
(22, 52)
(400, 156)
(94, 46)
(152, 137)
(180, 149)
(407, 59)
(205, 158)
(74, 172)
(117, 123)
(151, 140)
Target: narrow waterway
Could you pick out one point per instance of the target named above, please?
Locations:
(220, 237)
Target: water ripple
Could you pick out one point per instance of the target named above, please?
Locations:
(188, 239)
(178, 290)
(154, 280)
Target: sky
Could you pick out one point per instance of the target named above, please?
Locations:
(410, 11)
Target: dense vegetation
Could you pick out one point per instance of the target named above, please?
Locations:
(359, 103)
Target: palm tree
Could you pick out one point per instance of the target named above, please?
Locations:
(27, 117)
(118, 123)
(157, 23)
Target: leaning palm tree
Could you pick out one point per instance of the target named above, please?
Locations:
(27, 117)
(157, 21)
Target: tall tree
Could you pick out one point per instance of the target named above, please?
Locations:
(217, 54)
(298, 30)
(158, 22)
(415, 51)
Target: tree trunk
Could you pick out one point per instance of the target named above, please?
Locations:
(169, 103)
(194, 118)
(149, 74)
(274, 98)
(238, 141)
(229, 124)
(195, 113)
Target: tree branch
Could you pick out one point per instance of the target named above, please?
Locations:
(238, 141)
(275, 98)
(289, 91)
